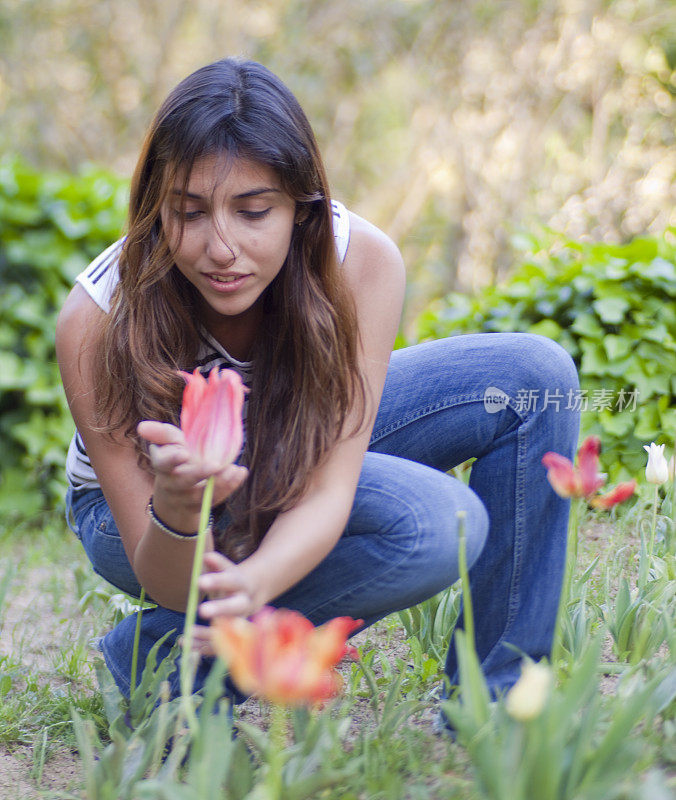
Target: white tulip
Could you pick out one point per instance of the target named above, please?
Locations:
(657, 470)
(527, 698)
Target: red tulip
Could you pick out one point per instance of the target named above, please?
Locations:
(585, 479)
(580, 481)
(588, 465)
(279, 654)
(211, 415)
(622, 492)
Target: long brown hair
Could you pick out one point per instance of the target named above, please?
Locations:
(305, 358)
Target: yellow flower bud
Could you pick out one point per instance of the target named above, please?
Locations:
(526, 699)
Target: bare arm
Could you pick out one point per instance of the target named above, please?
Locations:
(161, 563)
(301, 537)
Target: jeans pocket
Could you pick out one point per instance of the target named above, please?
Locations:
(103, 546)
(78, 504)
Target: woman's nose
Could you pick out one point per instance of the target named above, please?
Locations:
(220, 245)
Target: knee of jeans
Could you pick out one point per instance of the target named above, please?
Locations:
(547, 365)
(441, 526)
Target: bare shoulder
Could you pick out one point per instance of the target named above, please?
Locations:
(77, 320)
(373, 259)
(76, 328)
(76, 334)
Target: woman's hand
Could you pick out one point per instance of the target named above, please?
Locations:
(180, 477)
(230, 593)
(230, 590)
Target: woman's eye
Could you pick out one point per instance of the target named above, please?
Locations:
(187, 216)
(247, 214)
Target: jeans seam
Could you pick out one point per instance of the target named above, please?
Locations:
(515, 583)
(442, 405)
(331, 600)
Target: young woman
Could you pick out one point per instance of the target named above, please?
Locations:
(341, 503)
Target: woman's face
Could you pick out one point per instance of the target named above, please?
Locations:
(237, 224)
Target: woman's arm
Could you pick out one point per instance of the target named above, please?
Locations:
(301, 537)
(161, 563)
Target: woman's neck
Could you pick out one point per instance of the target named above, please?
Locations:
(235, 334)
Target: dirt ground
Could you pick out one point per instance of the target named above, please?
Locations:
(30, 628)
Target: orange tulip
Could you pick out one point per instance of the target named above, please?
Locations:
(279, 655)
(580, 481)
(622, 492)
(211, 415)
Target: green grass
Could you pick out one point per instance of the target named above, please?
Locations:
(377, 740)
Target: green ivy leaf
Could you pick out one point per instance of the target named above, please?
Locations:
(616, 346)
(546, 327)
(617, 425)
(611, 309)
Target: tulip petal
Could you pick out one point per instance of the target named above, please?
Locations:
(588, 465)
(622, 492)
(211, 415)
(561, 475)
(657, 469)
(279, 655)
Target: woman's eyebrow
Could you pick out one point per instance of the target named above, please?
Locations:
(255, 192)
(251, 193)
(190, 195)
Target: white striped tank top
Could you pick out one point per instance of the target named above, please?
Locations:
(99, 280)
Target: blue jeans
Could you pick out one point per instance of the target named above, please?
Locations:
(400, 545)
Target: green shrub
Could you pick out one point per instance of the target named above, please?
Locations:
(51, 226)
(613, 308)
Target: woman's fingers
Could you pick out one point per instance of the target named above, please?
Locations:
(229, 592)
(201, 640)
(236, 605)
(168, 453)
(165, 458)
(213, 561)
(222, 583)
(227, 481)
(160, 432)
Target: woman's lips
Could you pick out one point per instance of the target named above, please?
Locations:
(227, 283)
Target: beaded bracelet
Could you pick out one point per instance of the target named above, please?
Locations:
(165, 528)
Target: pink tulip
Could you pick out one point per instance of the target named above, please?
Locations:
(580, 481)
(211, 415)
(622, 492)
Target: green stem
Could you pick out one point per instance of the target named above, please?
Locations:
(569, 571)
(137, 638)
(672, 543)
(187, 660)
(468, 608)
(277, 745)
(651, 546)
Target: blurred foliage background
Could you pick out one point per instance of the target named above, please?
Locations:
(482, 135)
(451, 124)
